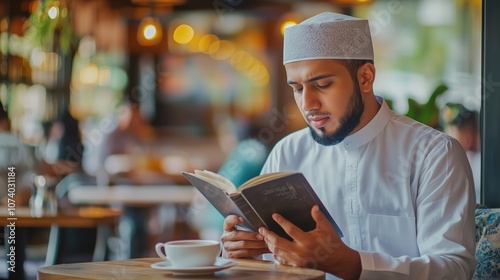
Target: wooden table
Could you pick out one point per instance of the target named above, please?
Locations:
(132, 195)
(74, 217)
(137, 202)
(85, 217)
(140, 269)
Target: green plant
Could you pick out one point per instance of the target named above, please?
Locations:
(50, 27)
(427, 113)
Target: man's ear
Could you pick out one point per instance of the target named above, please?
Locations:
(366, 77)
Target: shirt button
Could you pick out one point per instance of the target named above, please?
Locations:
(347, 144)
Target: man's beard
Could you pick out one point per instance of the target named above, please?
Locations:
(348, 122)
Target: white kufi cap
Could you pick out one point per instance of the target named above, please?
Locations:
(328, 35)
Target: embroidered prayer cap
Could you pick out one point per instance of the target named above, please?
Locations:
(328, 35)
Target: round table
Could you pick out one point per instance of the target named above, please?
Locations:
(141, 269)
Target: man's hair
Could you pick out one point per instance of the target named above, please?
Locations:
(353, 65)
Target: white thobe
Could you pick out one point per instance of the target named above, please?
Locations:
(401, 192)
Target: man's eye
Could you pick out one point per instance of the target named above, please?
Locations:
(324, 86)
(297, 90)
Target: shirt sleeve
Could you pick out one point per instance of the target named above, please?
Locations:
(444, 218)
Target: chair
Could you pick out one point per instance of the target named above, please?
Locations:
(70, 181)
(487, 243)
(243, 163)
(76, 244)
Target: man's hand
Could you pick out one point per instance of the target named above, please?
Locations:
(241, 244)
(320, 248)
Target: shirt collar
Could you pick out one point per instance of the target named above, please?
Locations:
(370, 130)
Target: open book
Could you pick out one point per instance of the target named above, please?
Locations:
(286, 193)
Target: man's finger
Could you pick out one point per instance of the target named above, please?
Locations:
(320, 218)
(246, 244)
(231, 221)
(236, 235)
(276, 244)
(293, 231)
(244, 253)
(269, 236)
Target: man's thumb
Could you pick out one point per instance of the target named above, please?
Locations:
(319, 217)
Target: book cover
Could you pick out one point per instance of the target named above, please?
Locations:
(289, 195)
(226, 206)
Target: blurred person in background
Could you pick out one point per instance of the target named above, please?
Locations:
(63, 150)
(131, 133)
(463, 125)
(131, 130)
(14, 153)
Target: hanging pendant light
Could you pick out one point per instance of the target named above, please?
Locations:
(149, 32)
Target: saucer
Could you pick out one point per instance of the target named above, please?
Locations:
(220, 264)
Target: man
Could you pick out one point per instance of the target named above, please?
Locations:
(401, 192)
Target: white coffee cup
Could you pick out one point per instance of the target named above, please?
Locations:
(189, 253)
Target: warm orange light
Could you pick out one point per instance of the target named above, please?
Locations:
(288, 20)
(353, 2)
(206, 41)
(183, 34)
(33, 6)
(286, 24)
(149, 32)
(194, 44)
(224, 51)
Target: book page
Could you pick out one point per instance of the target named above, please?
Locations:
(226, 204)
(264, 178)
(216, 180)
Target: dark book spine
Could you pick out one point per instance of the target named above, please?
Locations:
(247, 210)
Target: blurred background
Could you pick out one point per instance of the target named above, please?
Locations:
(210, 69)
(135, 91)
